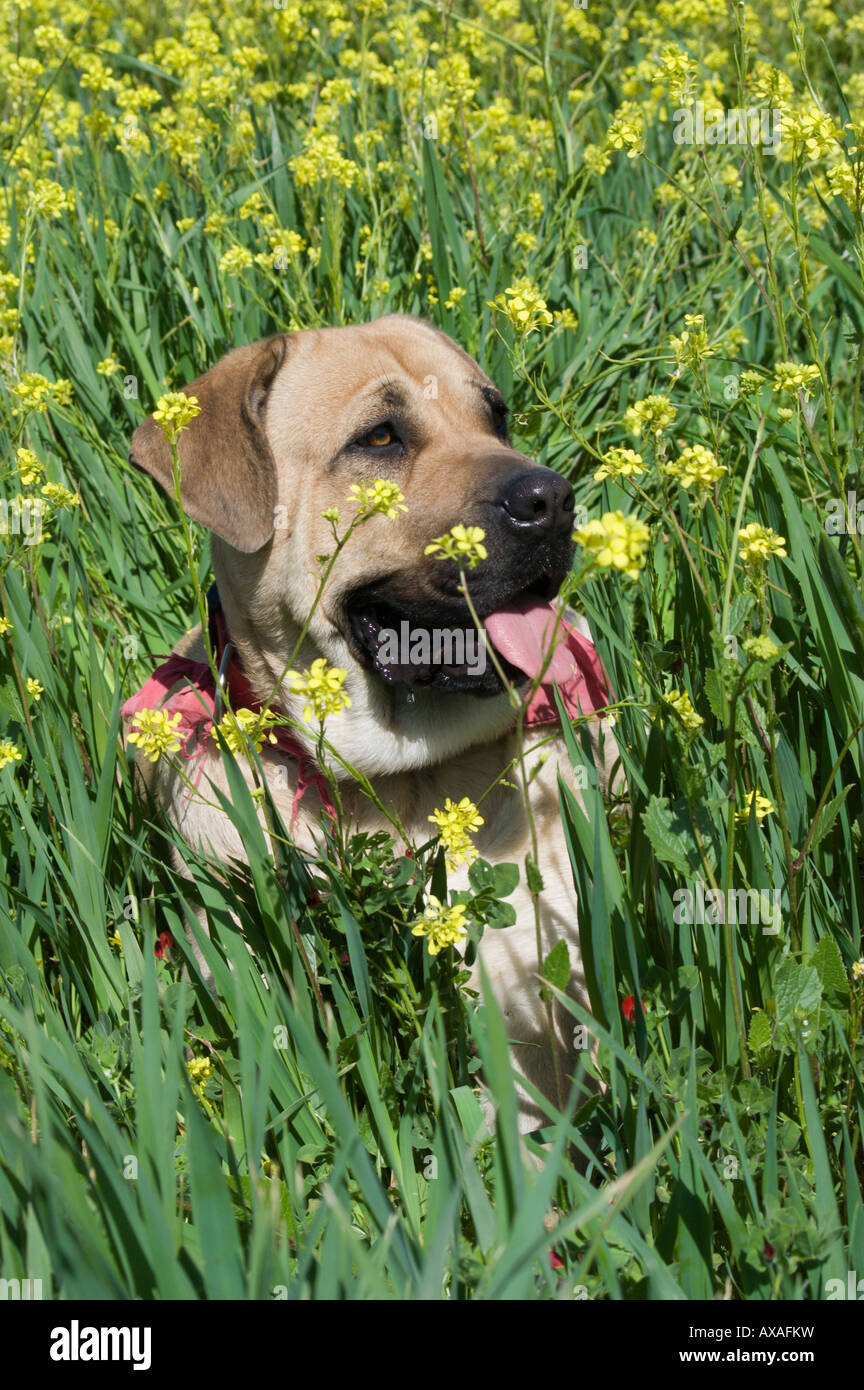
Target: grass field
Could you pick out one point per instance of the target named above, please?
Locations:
(180, 179)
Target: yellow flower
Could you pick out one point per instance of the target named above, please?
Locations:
(455, 824)
(858, 969)
(50, 199)
(652, 416)
(442, 926)
(60, 496)
(615, 542)
(758, 544)
(524, 306)
(619, 463)
(627, 131)
(761, 648)
(199, 1069)
(35, 689)
(681, 703)
(35, 391)
(108, 366)
(155, 733)
(462, 543)
(174, 411)
(761, 808)
(115, 941)
(792, 377)
(8, 753)
(29, 467)
(234, 728)
(321, 161)
(691, 348)
(696, 467)
(322, 685)
(595, 159)
(235, 260)
(5, 626)
(381, 497)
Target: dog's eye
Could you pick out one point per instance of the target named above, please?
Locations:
(499, 422)
(380, 437)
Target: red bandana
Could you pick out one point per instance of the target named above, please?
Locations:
(195, 701)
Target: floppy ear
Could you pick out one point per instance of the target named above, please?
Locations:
(227, 470)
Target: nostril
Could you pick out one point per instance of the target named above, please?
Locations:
(538, 500)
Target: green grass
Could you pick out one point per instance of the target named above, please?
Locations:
(337, 1148)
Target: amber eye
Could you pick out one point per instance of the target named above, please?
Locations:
(381, 436)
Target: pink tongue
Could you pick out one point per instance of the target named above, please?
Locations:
(522, 633)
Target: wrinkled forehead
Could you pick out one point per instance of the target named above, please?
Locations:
(344, 374)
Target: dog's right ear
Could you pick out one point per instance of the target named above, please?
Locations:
(227, 470)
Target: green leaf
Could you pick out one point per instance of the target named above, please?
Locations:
(828, 963)
(664, 830)
(798, 990)
(759, 1035)
(556, 966)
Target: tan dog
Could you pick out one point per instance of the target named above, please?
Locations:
(285, 427)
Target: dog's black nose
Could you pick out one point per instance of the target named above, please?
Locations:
(538, 501)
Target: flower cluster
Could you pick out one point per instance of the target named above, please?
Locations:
(456, 823)
(155, 733)
(680, 702)
(615, 541)
(793, 377)
(382, 497)
(174, 411)
(234, 729)
(692, 346)
(462, 543)
(696, 467)
(524, 306)
(758, 544)
(322, 686)
(442, 926)
(755, 804)
(651, 416)
(619, 463)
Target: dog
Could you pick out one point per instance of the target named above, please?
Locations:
(285, 427)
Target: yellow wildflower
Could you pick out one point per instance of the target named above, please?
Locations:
(758, 804)
(792, 377)
(8, 753)
(35, 689)
(758, 544)
(461, 543)
(382, 497)
(442, 926)
(696, 467)
(524, 306)
(155, 733)
(652, 415)
(234, 728)
(322, 685)
(456, 823)
(680, 701)
(615, 542)
(29, 467)
(619, 463)
(174, 411)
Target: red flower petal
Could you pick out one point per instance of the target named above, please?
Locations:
(628, 1007)
(555, 1260)
(163, 945)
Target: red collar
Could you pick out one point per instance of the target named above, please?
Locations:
(185, 687)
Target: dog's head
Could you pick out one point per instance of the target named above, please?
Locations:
(285, 427)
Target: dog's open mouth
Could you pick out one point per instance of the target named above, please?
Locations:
(437, 645)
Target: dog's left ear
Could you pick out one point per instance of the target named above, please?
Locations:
(227, 470)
